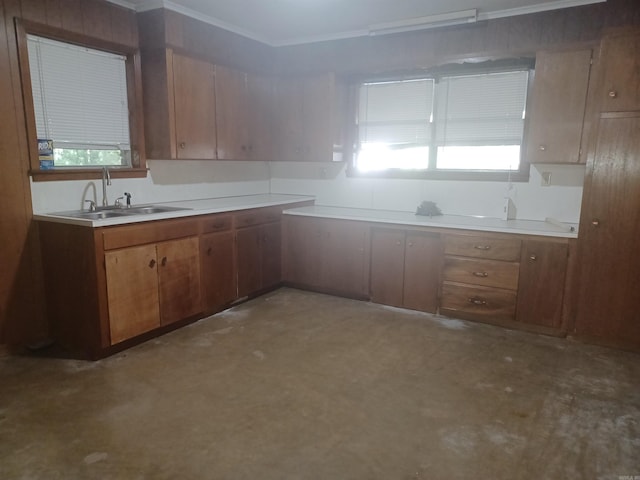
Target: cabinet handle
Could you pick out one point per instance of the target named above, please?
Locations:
(533, 257)
(613, 94)
(481, 274)
(397, 242)
(182, 145)
(595, 222)
(482, 247)
(411, 244)
(542, 148)
(477, 301)
(164, 261)
(209, 251)
(152, 263)
(243, 148)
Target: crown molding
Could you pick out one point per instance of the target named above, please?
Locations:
(486, 15)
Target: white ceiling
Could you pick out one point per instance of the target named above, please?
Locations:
(286, 22)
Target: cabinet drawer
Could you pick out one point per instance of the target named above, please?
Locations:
(215, 223)
(258, 216)
(148, 232)
(478, 302)
(483, 247)
(481, 272)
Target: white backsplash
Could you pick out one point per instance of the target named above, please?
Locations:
(189, 180)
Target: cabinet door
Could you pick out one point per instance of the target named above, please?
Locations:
(317, 116)
(609, 282)
(621, 73)
(249, 269)
(423, 259)
(179, 274)
(558, 108)
(132, 291)
(194, 108)
(270, 255)
(303, 244)
(344, 258)
(218, 270)
(290, 127)
(387, 266)
(541, 285)
(232, 118)
(262, 114)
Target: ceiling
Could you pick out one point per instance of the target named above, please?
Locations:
(286, 22)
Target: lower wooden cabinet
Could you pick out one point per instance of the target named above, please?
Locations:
(217, 251)
(405, 268)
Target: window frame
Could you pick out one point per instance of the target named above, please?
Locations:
(134, 98)
(486, 67)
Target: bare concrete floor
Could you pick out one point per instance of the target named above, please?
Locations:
(296, 385)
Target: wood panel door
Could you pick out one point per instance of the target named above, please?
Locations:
(232, 115)
(422, 264)
(558, 107)
(543, 270)
(179, 275)
(387, 266)
(290, 123)
(194, 104)
(132, 291)
(302, 249)
(219, 287)
(621, 73)
(249, 269)
(262, 116)
(609, 282)
(270, 255)
(344, 258)
(317, 116)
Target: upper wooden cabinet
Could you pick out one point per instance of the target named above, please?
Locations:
(179, 106)
(244, 115)
(620, 73)
(310, 113)
(558, 106)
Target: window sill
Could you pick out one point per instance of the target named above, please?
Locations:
(85, 174)
(443, 175)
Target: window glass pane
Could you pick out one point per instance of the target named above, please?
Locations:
(501, 157)
(80, 102)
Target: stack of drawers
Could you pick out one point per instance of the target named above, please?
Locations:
(480, 277)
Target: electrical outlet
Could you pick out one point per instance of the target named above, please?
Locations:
(546, 179)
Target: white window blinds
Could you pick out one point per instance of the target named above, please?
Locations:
(79, 94)
(396, 113)
(481, 109)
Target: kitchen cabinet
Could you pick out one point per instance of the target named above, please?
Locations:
(541, 284)
(327, 255)
(559, 99)
(218, 263)
(620, 71)
(608, 280)
(258, 243)
(405, 268)
(244, 115)
(179, 106)
(480, 277)
(310, 113)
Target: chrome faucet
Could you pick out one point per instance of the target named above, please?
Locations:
(106, 180)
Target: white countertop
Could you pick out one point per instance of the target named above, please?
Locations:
(486, 224)
(195, 207)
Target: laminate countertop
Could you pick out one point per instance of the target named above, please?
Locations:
(550, 228)
(191, 208)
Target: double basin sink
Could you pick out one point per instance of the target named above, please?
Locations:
(102, 213)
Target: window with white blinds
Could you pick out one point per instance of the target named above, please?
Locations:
(80, 102)
(460, 122)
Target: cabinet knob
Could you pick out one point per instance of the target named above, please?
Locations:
(613, 94)
(243, 148)
(164, 261)
(481, 274)
(595, 222)
(209, 250)
(482, 247)
(533, 257)
(411, 244)
(152, 263)
(398, 242)
(542, 148)
(182, 145)
(477, 301)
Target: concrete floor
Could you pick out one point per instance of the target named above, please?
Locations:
(295, 385)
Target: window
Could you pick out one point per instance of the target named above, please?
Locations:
(469, 123)
(80, 103)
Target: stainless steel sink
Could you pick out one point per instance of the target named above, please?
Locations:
(116, 212)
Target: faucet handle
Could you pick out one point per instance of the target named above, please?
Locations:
(128, 195)
(118, 203)
(92, 205)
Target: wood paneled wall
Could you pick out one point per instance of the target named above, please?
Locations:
(22, 308)
(512, 35)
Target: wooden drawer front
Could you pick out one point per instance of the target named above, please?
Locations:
(258, 216)
(148, 232)
(487, 302)
(483, 247)
(481, 272)
(215, 223)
